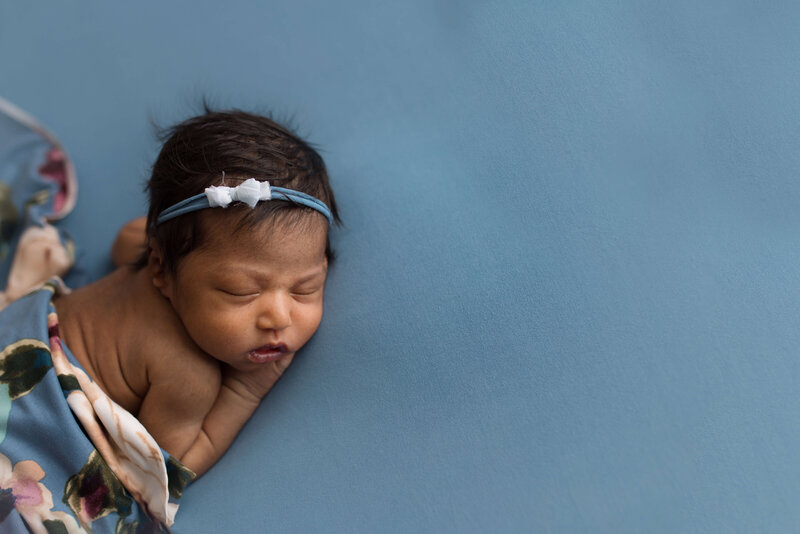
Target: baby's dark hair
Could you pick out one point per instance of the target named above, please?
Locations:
(236, 145)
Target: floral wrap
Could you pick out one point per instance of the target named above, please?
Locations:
(71, 459)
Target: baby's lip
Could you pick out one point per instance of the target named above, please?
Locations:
(268, 353)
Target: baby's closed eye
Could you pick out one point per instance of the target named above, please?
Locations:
(242, 292)
(307, 290)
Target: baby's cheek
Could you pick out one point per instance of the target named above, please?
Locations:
(214, 326)
(227, 324)
(310, 321)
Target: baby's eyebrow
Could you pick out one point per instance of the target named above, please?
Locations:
(316, 274)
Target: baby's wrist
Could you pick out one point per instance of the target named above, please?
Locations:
(246, 385)
(246, 392)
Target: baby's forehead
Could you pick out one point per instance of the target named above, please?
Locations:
(245, 256)
(234, 231)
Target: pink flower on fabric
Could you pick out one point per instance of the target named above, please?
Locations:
(23, 481)
(54, 169)
(33, 500)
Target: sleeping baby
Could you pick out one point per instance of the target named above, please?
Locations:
(229, 285)
(114, 396)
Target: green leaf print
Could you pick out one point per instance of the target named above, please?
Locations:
(23, 365)
(178, 477)
(54, 526)
(8, 219)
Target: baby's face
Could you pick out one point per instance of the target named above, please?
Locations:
(251, 297)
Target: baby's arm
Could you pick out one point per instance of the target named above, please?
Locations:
(239, 396)
(180, 394)
(197, 420)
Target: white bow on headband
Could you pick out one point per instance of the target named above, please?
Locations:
(251, 191)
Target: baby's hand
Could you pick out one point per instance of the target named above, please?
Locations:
(253, 385)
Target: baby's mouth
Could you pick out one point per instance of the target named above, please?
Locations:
(268, 353)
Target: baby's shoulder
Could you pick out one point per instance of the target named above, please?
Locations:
(176, 359)
(166, 354)
(183, 379)
(184, 364)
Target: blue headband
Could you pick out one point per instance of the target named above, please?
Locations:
(250, 192)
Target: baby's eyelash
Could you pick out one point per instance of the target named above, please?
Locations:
(306, 292)
(239, 293)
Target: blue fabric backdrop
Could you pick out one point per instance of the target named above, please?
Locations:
(567, 293)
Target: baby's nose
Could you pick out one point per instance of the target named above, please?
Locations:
(275, 312)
